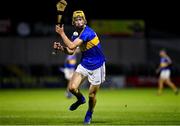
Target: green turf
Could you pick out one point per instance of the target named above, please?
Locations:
(114, 107)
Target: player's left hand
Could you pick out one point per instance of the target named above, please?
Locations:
(57, 46)
(59, 29)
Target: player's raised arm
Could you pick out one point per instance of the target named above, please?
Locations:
(71, 45)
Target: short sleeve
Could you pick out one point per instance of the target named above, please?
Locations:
(84, 36)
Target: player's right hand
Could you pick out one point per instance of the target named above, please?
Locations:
(60, 29)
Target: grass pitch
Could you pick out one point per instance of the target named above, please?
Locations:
(114, 107)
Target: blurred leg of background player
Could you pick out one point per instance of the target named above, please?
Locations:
(165, 79)
(68, 74)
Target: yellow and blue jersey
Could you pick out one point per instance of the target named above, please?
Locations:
(92, 55)
(165, 63)
(70, 62)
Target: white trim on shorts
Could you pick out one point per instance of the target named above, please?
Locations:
(68, 72)
(165, 74)
(95, 77)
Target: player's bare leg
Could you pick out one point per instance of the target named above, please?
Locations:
(68, 93)
(92, 102)
(74, 84)
(160, 86)
(92, 96)
(172, 85)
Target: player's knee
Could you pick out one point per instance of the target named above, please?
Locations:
(72, 88)
(92, 95)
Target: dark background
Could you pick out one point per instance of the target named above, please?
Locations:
(159, 16)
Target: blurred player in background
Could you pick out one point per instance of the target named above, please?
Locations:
(165, 72)
(68, 70)
(70, 66)
(92, 65)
